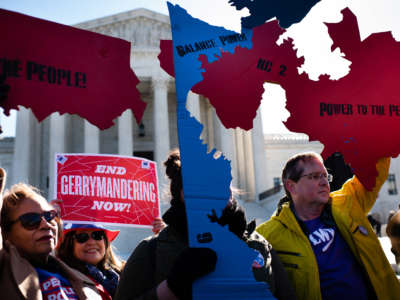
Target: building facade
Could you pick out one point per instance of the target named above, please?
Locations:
(256, 160)
(31, 159)
(155, 136)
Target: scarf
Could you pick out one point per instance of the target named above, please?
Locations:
(107, 278)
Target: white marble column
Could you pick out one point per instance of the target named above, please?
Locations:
(125, 134)
(249, 164)
(228, 149)
(259, 155)
(161, 123)
(22, 147)
(56, 145)
(241, 169)
(193, 105)
(91, 138)
(210, 128)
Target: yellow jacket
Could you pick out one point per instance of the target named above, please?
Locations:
(350, 206)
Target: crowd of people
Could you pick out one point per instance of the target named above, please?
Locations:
(317, 245)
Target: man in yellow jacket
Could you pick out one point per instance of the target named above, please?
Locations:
(324, 239)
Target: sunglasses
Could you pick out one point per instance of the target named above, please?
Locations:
(84, 236)
(31, 221)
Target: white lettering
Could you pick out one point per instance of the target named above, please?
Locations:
(97, 205)
(71, 186)
(116, 206)
(116, 187)
(146, 191)
(46, 285)
(92, 184)
(101, 186)
(110, 192)
(100, 169)
(85, 186)
(110, 170)
(322, 234)
(135, 190)
(64, 185)
(121, 171)
(55, 282)
(153, 194)
(313, 240)
(108, 206)
(123, 189)
(78, 185)
(130, 190)
(120, 206)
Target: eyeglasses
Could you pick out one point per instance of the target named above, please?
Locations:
(31, 221)
(318, 176)
(84, 236)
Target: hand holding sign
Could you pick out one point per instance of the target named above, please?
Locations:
(158, 225)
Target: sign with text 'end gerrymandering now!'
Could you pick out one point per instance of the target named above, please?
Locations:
(107, 189)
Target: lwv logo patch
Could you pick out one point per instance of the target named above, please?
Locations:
(324, 236)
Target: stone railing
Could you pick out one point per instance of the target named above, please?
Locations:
(269, 192)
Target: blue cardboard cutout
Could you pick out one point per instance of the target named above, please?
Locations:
(287, 12)
(206, 180)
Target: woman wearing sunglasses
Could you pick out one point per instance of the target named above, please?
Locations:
(30, 227)
(87, 248)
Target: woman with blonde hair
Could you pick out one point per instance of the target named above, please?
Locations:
(87, 248)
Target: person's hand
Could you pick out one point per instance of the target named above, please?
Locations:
(158, 225)
(191, 264)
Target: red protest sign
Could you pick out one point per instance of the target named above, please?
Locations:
(107, 189)
(56, 68)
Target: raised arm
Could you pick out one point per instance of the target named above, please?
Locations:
(365, 198)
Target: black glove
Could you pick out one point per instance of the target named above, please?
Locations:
(234, 216)
(191, 264)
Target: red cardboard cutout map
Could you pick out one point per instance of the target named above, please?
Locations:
(56, 68)
(107, 189)
(354, 115)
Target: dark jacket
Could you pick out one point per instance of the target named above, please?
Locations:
(149, 265)
(142, 273)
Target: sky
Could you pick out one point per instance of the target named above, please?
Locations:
(310, 36)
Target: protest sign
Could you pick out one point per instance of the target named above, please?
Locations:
(345, 115)
(107, 189)
(52, 67)
(207, 179)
